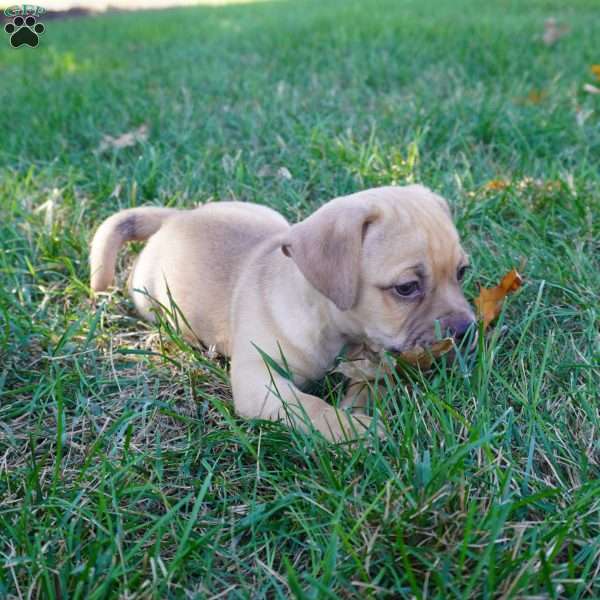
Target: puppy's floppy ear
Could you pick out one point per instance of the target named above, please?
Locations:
(327, 248)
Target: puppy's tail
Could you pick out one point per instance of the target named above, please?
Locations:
(130, 224)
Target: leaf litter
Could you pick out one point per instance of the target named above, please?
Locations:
(125, 140)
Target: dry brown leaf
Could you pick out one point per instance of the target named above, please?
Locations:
(363, 369)
(536, 96)
(496, 185)
(595, 69)
(490, 300)
(424, 357)
(367, 366)
(131, 138)
(535, 192)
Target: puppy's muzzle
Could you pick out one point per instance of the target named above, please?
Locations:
(463, 328)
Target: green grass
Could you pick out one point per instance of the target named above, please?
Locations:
(123, 470)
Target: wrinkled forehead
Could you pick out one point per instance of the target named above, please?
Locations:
(412, 231)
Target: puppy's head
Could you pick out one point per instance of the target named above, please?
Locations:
(390, 260)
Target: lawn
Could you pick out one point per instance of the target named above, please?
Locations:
(124, 472)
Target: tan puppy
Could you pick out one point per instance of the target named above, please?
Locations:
(376, 267)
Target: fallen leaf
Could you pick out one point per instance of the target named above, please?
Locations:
(131, 138)
(269, 171)
(365, 365)
(490, 300)
(362, 369)
(553, 31)
(536, 96)
(424, 357)
(284, 173)
(496, 185)
(596, 71)
(591, 89)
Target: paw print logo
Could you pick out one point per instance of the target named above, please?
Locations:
(24, 31)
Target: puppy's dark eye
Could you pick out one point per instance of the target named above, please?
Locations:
(460, 273)
(406, 290)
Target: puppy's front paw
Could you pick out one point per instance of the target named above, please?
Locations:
(339, 426)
